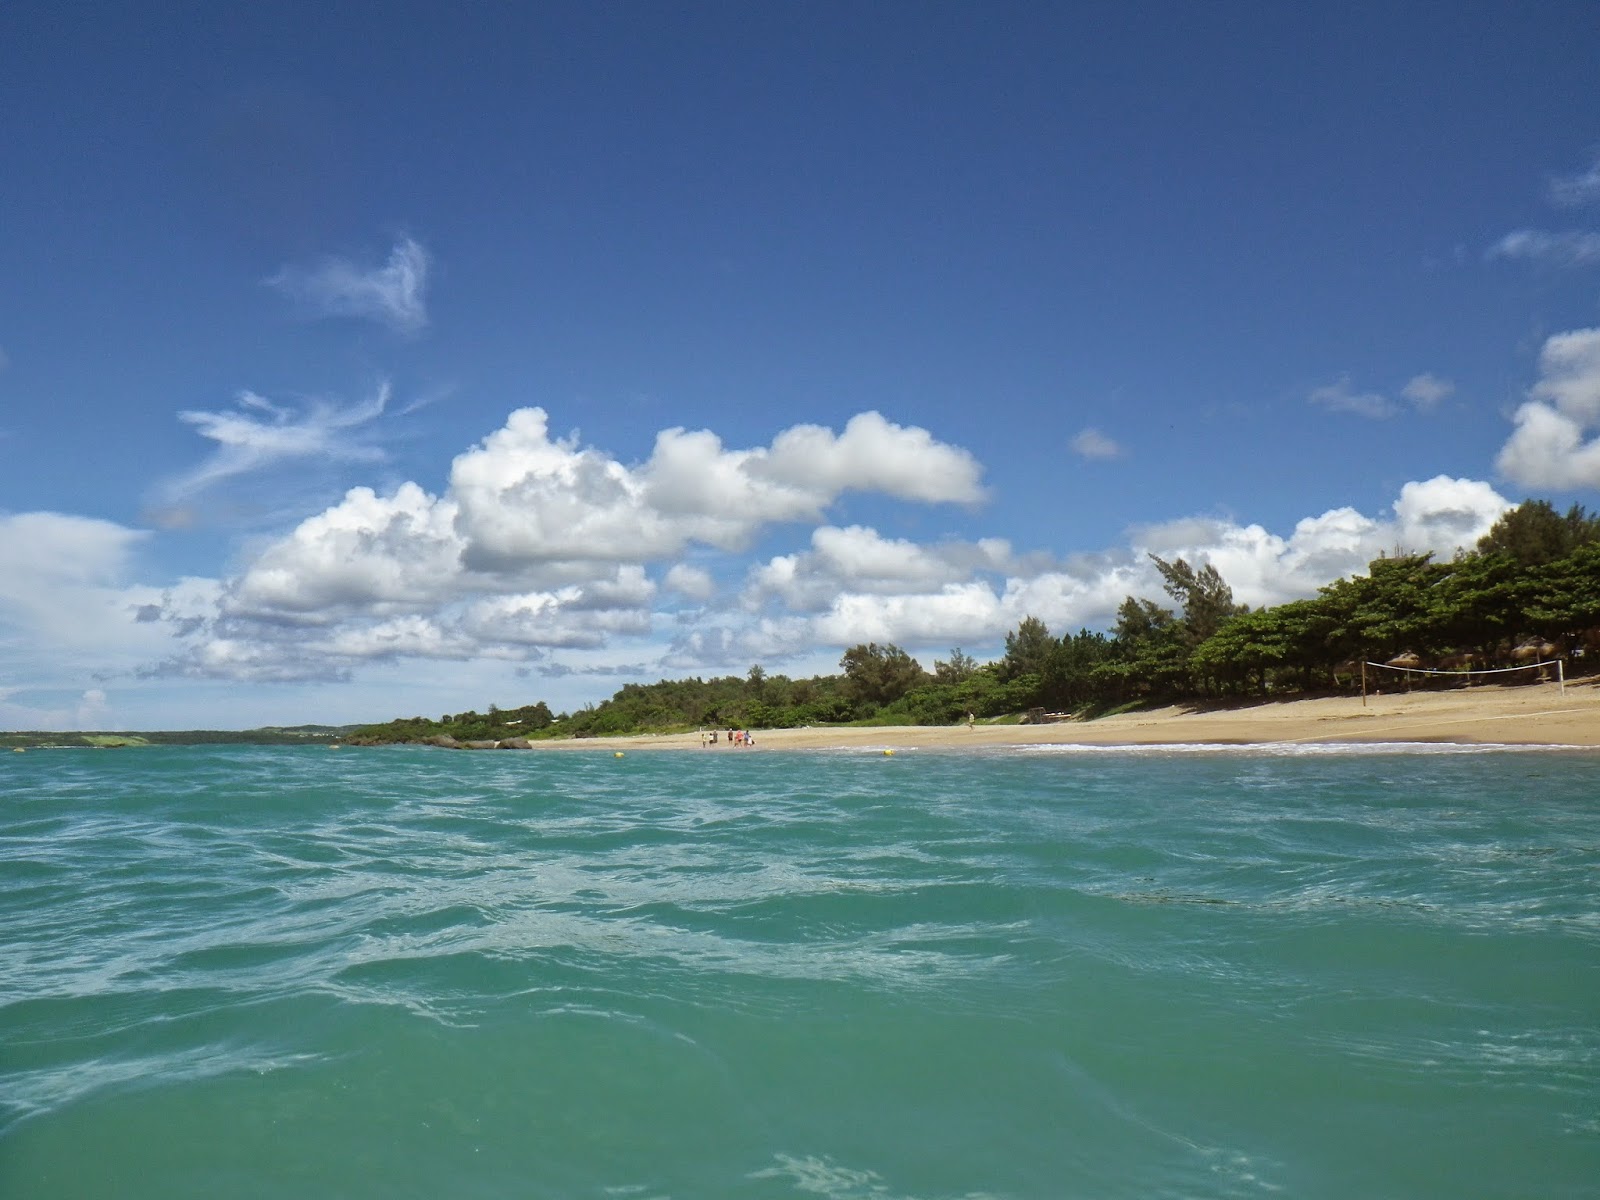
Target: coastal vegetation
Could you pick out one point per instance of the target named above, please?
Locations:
(1534, 579)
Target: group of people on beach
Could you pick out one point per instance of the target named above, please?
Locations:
(736, 737)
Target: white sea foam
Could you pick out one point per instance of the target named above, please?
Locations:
(819, 1175)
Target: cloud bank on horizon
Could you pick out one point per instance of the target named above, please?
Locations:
(546, 551)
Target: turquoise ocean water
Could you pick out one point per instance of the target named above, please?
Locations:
(261, 972)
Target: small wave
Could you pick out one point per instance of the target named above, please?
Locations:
(44, 1090)
(821, 1176)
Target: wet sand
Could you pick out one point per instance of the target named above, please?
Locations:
(1538, 714)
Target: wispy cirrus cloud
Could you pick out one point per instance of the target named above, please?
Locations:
(1565, 248)
(1340, 396)
(392, 294)
(257, 434)
(1568, 248)
(1574, 191)
(1423, 392)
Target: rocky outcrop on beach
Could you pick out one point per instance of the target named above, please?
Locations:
(445, 742)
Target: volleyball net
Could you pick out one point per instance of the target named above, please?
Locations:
(1469, 675)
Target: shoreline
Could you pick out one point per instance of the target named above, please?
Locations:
(1537, 715)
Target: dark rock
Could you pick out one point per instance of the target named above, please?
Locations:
(491, 744)
(442, 739)
(515, 743)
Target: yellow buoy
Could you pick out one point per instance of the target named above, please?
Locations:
(888, 753)
(618, 754)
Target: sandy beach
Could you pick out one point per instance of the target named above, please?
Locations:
(1538, 714)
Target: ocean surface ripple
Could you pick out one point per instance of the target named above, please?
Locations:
(266, 972)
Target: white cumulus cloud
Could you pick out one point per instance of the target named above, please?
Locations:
(525, 498)
(1091, 443)
(693, 583)
(1555, 443)
(541, 545)
(381, 580)
(69, 609)
(1425, 391)
(872, 454)
(860, 560)
(369, 553)
(543, 542)
(835, 602)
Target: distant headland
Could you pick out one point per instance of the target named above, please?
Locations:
(297, 735)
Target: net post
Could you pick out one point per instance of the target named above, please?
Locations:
(1561, 675)
(1363, 683)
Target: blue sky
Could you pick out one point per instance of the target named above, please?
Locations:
(415, 357)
